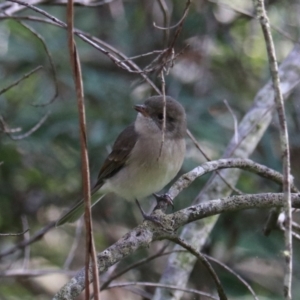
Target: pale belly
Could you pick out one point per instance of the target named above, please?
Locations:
(149, 172)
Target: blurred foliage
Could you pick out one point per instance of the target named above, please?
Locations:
(40, 175)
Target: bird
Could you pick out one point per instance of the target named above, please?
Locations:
(141, 162)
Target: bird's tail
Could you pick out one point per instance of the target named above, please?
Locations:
(77, 211)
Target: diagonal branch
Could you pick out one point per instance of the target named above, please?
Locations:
(143, 235)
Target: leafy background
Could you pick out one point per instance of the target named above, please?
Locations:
(40, 174)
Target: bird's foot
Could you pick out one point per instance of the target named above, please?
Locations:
(147, 217)
(165, 198)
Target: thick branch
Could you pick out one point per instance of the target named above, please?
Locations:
(143, 235)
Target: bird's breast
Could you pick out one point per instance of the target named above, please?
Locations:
(150, 167)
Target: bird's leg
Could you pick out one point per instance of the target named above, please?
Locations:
(148, 217)
(165, 198)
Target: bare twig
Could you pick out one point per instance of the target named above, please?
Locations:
(90, 244)
(144, 54)
(179, 23)
(233, 188)
(78, 3)
(282, 228)
(8, 131)
(29, 18)
(166, 286)
(136, 265)
(27, 248)
(284, 138)
(14, 234)
(244, 282)
(20, 79)
(235, 121)
(296, 236)
(250, 15)
(163, 86)
(21, 245)
(53, 71)
(21, 273)
(296, 225)
(74, 245)
(205, 262)
(164, 8)
(93, 41)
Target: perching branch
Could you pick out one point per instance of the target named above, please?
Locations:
(143, 235)
(146, 233)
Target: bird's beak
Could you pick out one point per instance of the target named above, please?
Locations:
(141, 109)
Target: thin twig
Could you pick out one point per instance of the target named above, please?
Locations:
(53, 71)
(294, 234)
(164, 8)
(179, 23)
(27, 248)
(250, 15)
(136, 265)
(21, 245)
(166, 286)
(144, 54)
(93, 41)
(235, 121)
(74, 245)
(284, 138)
(7, 130)
(132, 266)
(296, 225)
(90, 244)
(242, 280)
(233, 188)
(205, 262)
(78, 3)
(163, 86)
(20, 79)
(13, 234)
(21, 273)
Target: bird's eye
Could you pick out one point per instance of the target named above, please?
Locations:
(160, 116)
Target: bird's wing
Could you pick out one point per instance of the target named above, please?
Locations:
(113, 163)
(119, 154)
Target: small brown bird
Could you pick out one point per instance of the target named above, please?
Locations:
(139, 164)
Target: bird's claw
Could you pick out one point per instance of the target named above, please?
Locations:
(165, 198)
(147, 217)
